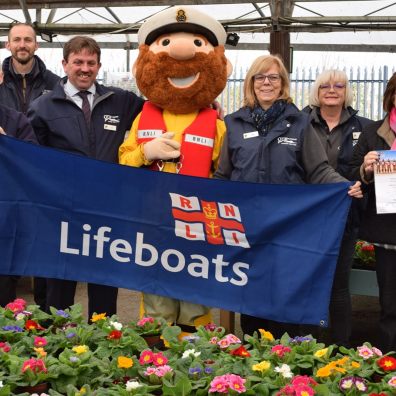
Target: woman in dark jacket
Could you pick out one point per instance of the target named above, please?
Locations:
(270, 141)
(380, 229)
(338, 127)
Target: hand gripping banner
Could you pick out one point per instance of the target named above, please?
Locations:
(263, 250)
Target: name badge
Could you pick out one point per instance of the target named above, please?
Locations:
(355, 135)
(249, 135)
(202, 141)
(110, 127)
(149, 133)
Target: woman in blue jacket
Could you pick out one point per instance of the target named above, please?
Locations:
(270, 141)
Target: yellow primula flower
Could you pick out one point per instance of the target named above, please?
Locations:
(321, 352)
(82, 391)
(266, 335)
(124, 362)
(79, 349)
(98, 317)
(324, 371)
(355, 364)
(262, 366)
(40, 351)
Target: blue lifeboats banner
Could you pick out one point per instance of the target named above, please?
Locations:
(263, 250)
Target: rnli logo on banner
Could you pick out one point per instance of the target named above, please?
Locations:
(215, 222)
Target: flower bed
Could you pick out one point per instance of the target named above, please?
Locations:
(108, 358)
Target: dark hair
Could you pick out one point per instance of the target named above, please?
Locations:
(22, 24)
(78, 43)
(389, 94)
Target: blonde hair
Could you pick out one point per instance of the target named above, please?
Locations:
(261, 65)
(325, 77)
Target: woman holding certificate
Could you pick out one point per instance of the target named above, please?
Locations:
(380, 229)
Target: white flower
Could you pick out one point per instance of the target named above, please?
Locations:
(131, 385)
(116, 325)
(190, 352)
(20, 316)
(1, 384)
(284, 370)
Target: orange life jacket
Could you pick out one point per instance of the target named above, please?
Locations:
(197, 139)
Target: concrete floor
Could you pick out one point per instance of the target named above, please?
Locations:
(365, 311)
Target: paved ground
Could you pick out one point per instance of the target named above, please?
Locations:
(365, 310)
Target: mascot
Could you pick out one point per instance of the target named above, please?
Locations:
(181, 69)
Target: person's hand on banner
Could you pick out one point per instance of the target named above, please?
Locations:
(162, 148)
(355, 191)
(2, 131)
(368, 164)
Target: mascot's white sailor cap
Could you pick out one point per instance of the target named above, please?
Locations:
(182, 19)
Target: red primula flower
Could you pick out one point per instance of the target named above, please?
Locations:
(241, 351)
(387, 363)
(32, 325)
(34, 365)
(159, 359)
(146, 357)
(115, 335)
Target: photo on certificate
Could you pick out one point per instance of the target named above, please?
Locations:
(385, 181)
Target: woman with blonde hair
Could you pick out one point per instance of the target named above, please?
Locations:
(338, 127)
(269, 140)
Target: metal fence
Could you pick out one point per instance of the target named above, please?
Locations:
(368, 85)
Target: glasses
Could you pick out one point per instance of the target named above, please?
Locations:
(272, 78)
(336, 86)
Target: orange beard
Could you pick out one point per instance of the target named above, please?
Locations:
(153, 70)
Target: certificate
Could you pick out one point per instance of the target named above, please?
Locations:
(385, 181)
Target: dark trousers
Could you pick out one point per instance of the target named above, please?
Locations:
(340, 309)
(8, 286)
(101, 299)
(386, 277)
(249, 324)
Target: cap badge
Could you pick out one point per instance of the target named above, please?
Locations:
(181, 16)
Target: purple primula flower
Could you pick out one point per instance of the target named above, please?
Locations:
(70, 335)
(17, 329)
(191, 338)
(62, 313)
(208, 370)
(360, 384)
(299, 340)
(194, 371)
(347, 383)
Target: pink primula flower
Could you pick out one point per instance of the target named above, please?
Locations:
(214, 340)
(18, 305)
(303, 390)
(365, 352)
(236, 383)
(392, 382)
(162, 370)
(145, 320)
(233, 339)
(280, 350)
(376, 351)
(223, 343)
(219, 385)
(35, 365)
(40, 342)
